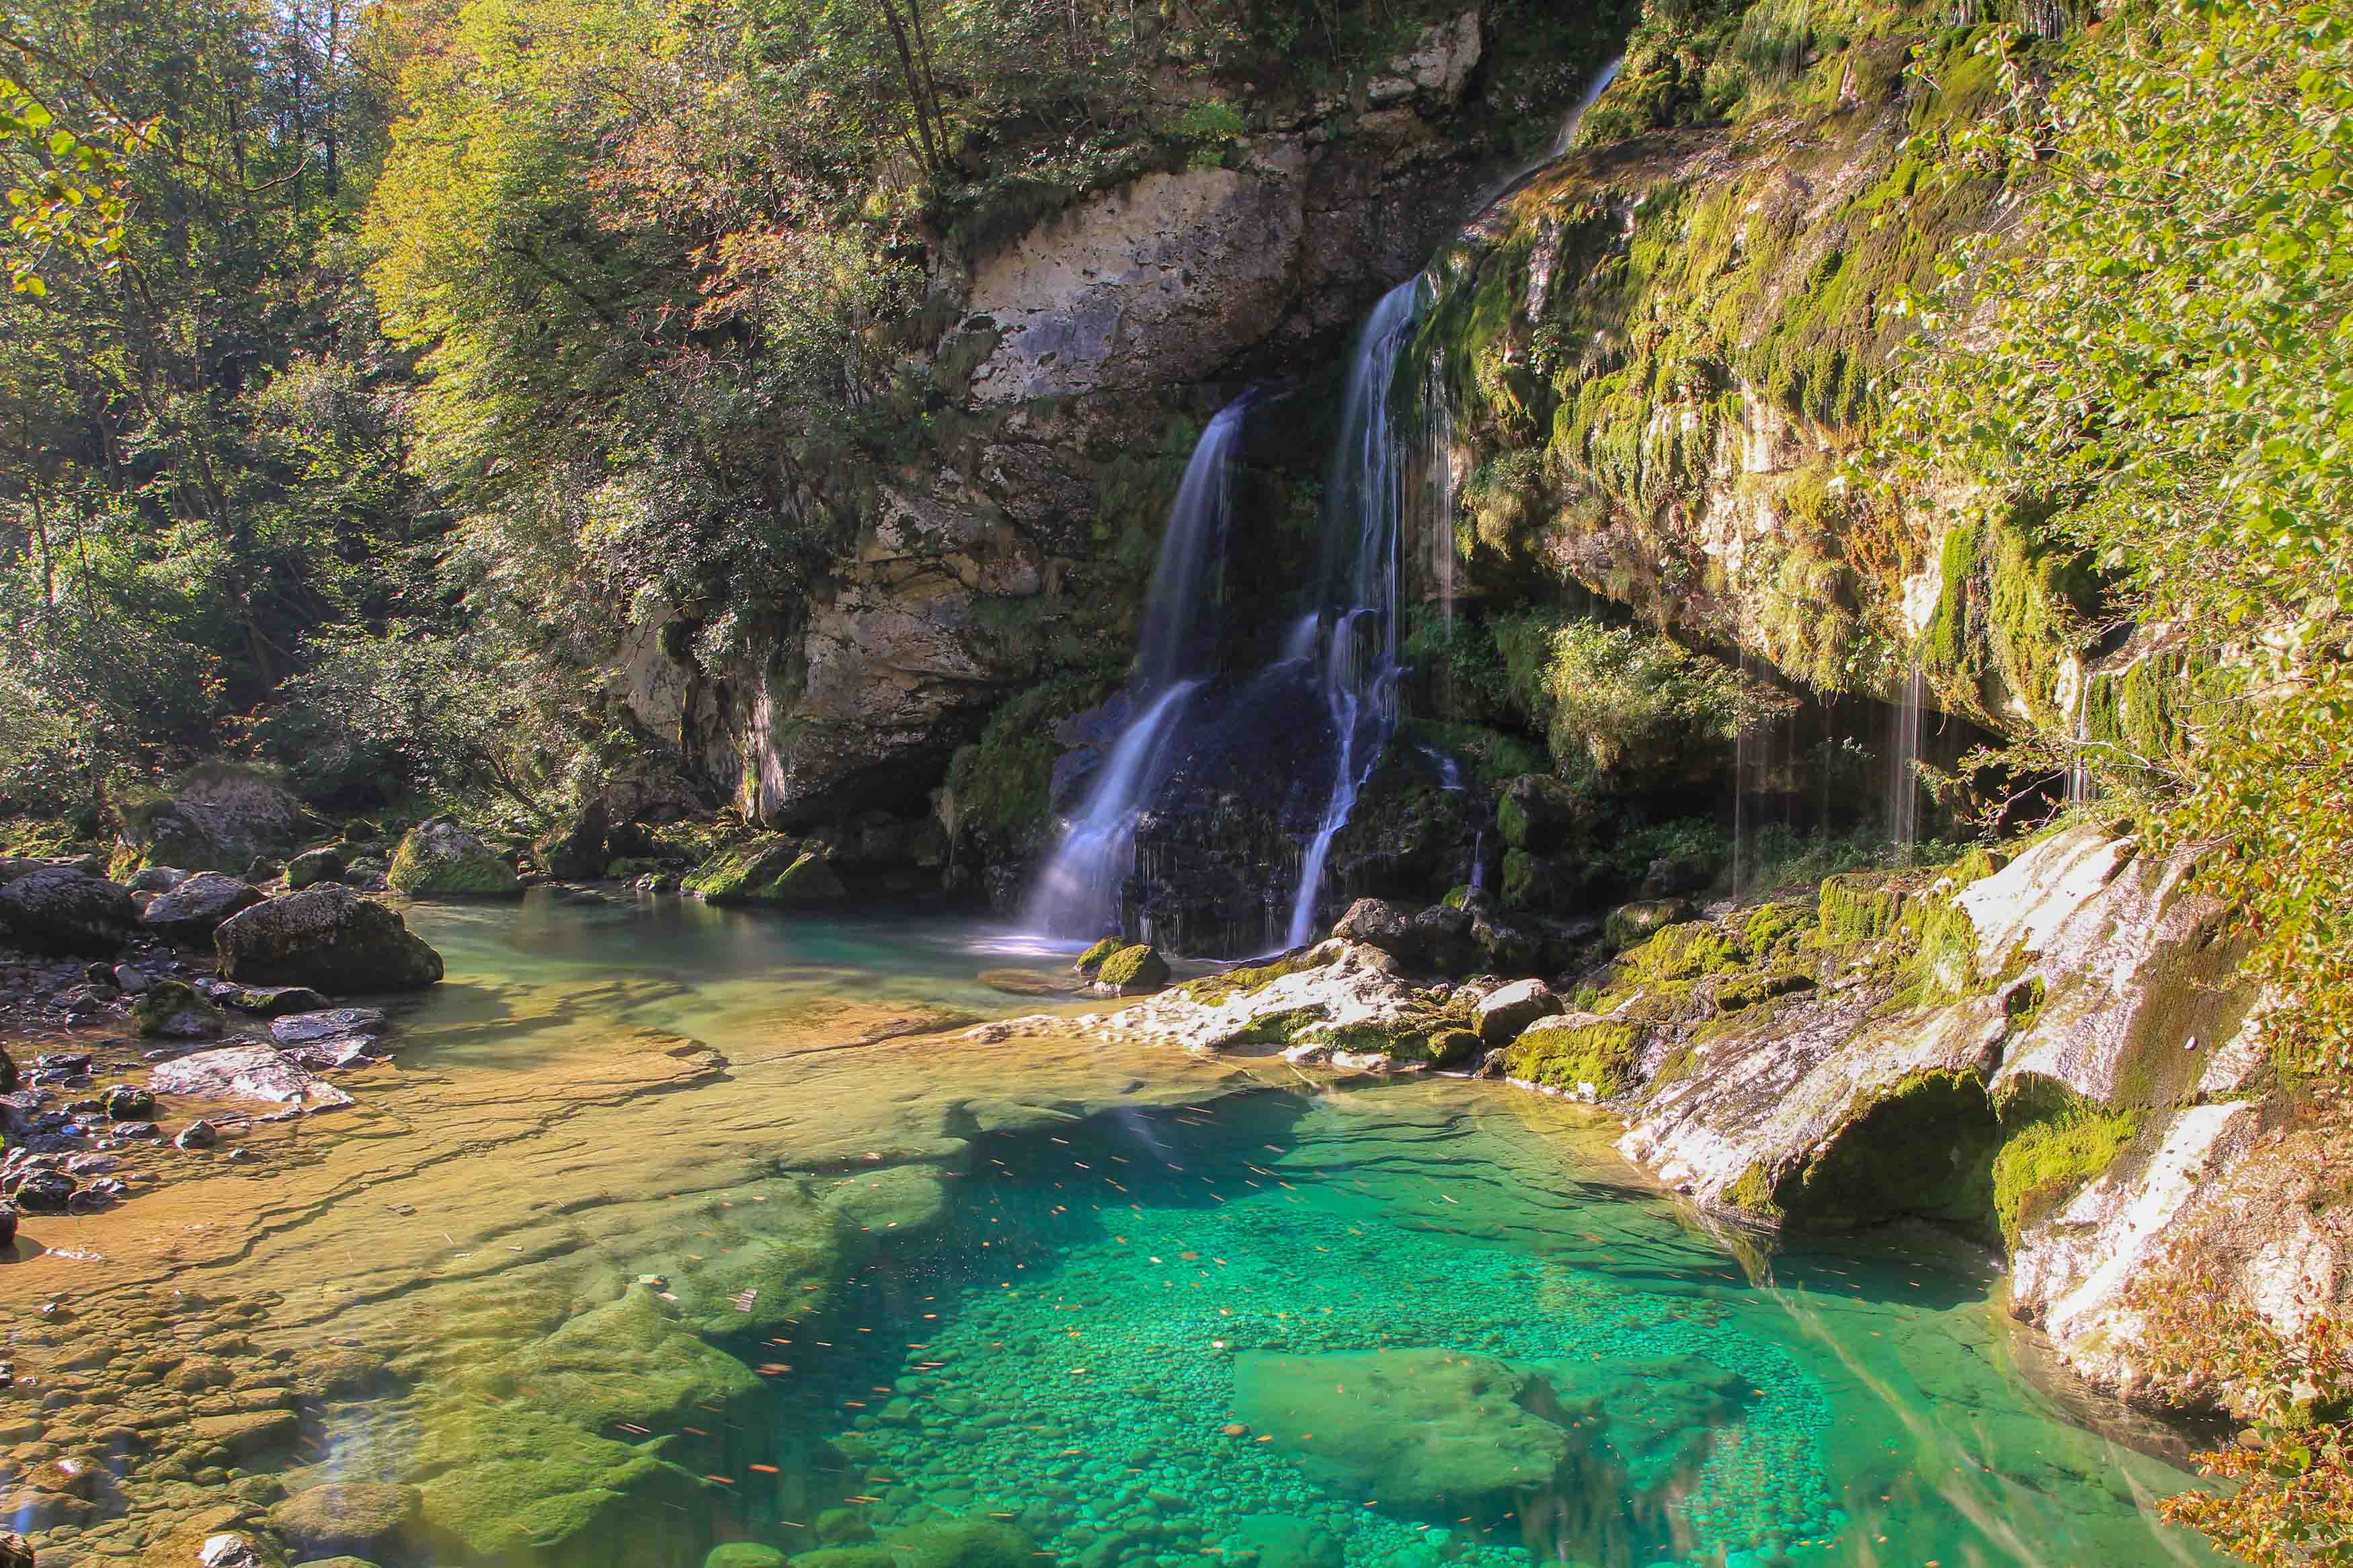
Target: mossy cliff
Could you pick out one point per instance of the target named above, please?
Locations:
(1667, 355)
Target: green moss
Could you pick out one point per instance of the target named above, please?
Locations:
(1092, 959)
(1212, 989)
(1752, 1194)
(1924, 1147)
(768, 869)
(1682, 952)
(999, 784)
(1589, 1057)
(1946, 960)
(475, 873)
(2048, 1159)
(1777, 927)
(1137, 968)
(1748, 988)
(1858, 907)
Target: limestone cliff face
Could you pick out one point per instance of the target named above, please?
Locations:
(1077, 359)
(2083, 1082)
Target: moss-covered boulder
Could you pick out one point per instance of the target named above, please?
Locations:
(625, 1361)
(326, 937)
(1418, 1429)
(959, 1544)
(1132, 969)
(1092, 959)
(769, 869)
(219, 818)
(512, 1484)
(440, 859)
(1541, 815)
(173, 1010)
(1579, 1054)
(745, 1554)
(1629, 924)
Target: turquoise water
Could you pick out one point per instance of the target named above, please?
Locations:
(1120, 1307)
(1110, 1295)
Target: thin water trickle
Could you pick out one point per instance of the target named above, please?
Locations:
(1560, 142)
(1078, 893)
(1903, 777)
(1364, 525)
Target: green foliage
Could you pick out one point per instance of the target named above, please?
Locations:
(1621, 708)
(2172, 372)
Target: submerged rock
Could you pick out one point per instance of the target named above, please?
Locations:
(350, 1517)
(440, 859)
(1415, 1428)
(247, 1073)
(328, 937)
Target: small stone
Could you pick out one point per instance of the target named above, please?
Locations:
(228, 1551)
(127, 1102)
(45, 1191)
(197, 1134)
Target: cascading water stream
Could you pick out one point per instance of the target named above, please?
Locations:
(1561, 138)
(1364, 525)
(1078, 893)
(1903, 781)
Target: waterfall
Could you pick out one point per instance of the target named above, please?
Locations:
(1903, 781)
(1364, 521)
(1561, 138)
(1078, 893)
(1600, 85)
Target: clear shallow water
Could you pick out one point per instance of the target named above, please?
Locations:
(1450, 1323)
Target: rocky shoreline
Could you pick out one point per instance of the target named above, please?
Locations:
(2053, 1055)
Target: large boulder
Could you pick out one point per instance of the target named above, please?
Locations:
(221, 818)
(1132, 970)
(769, 869)
(247, 1073)
(327, 937)
(1378, 923)
(580, 852)
(325, 864)
(59, 910)
(1541, 815)
(191, 912)
(1509, 1009)
(440, 859)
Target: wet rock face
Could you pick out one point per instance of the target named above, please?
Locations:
(327, 937)
(58, 909)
